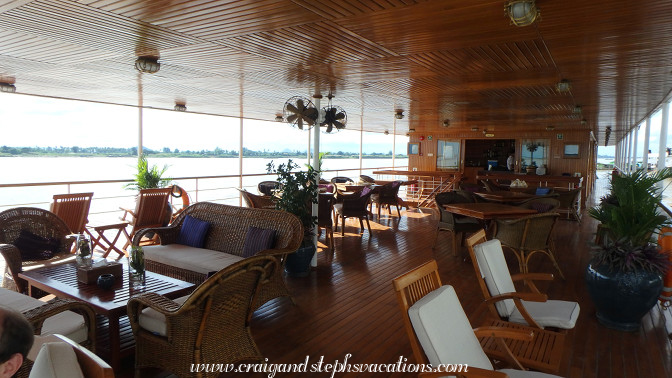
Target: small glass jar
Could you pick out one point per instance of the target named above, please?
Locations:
(136, 266)
(84, 255)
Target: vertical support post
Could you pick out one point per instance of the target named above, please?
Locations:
(662, 147)
(140, 104)
(394, 141)
(628, 147)
(647, 132)
(240, 146)
(316, 166)
(635, 137)
(361, 140)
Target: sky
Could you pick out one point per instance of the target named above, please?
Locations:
(30, 121)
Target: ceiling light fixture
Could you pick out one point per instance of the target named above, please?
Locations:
(399, 114)
(446, 122)
(577, 109)
(550, 128)
(411, 130)
(147, 64)
(584, 122)
(522, 12)
(563, 86)
(386, 132)
(474, 129)
(7, 88)
(180, 107)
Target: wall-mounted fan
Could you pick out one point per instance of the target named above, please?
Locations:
(300, 112)
(335, 119)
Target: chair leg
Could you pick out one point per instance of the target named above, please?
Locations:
(398, 211)
(330, 232)
(361, 225)
(455, 237)
(379, 205)
(342, 225)
(368, 225)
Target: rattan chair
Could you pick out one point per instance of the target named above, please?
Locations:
(528, 235)
(324, 219)
(73, 209)
(387, 195)
(151, 208)
(341, 180)
(497, 285)
(445, 336)
(266, 188)
(491, 186)
(39, 222)
(212, 325)
(456, 224)
(354, 205)
(569, 204)
(257, 202)
(366, 179)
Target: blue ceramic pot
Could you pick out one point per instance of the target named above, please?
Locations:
(622, 298)
(298, 263)
(105, 281)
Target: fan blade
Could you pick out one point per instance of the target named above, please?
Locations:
(299, 105)
(329, 128)
(339, 125)
(311, 113)
(308, 120)
(291, 108)
(292, 118)
(340, 115)
(299, 124)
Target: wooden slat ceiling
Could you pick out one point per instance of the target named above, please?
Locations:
(435, 60)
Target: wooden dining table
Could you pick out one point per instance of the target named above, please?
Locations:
(505, 196)
(488, 210)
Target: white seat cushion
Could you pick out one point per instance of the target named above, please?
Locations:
(66, 323)
(495, 272)
(154, 321)
(199, 260)
(553, 313)
(444, 331)
(56, 360)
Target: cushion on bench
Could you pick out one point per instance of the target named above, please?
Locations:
(154, 321)
(199, 260)
(66, 323)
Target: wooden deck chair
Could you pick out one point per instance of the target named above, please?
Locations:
(257, 202)
(498, 288)
(73, 209)
(447, 330)
(150, 211)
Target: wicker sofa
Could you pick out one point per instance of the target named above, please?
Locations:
(223, 245)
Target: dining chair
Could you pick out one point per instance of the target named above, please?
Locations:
(497, 285)
(354, 205)
(210, 325)
(266, 188)
(569, 203)
(440, 332)
(367, 179)
(151, 208)
(73, 209)
(491, 186)
(528, 235)
(324, 217)
(454, 223)
(342, 180)
(387, 195)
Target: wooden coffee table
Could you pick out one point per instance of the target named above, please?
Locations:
(61, 280)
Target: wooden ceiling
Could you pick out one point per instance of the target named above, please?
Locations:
(435, 60)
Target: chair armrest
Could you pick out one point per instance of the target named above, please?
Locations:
(12, 257)
(472, 372)
(38, 315)
(532, 297)
(126, 211)
(167, 235)
(505, 333)
(529, 279)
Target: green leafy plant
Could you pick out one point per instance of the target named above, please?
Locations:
(630, 218)
(148, 177)
(299, 192)
(137, 259)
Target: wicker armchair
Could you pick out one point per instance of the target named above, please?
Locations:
(266, 188)
(212, 325)
(387, 195)
(527, 236)
(456, 224)
(257, 202)
(39, 222)
(354, 205)
(569, 204)
(542, 205)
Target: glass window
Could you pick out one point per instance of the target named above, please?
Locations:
(534, 152)
(448, 154)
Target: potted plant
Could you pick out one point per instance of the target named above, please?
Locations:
(532, 147)
(299, 192)
(624, 276)
(148, 177)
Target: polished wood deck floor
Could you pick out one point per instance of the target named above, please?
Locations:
(347, 304)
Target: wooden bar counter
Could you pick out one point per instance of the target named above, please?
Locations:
(565, 182)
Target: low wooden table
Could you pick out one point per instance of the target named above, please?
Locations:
(61, 280)
(488, 210)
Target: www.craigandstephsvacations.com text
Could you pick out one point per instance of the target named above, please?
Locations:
(328, 368)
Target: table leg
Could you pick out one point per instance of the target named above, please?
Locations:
(115, 343)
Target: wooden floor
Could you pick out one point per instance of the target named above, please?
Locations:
(347, 304)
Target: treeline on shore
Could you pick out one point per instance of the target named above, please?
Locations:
(76, 151)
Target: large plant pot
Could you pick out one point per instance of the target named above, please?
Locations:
(622, 298)
(298, 263)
